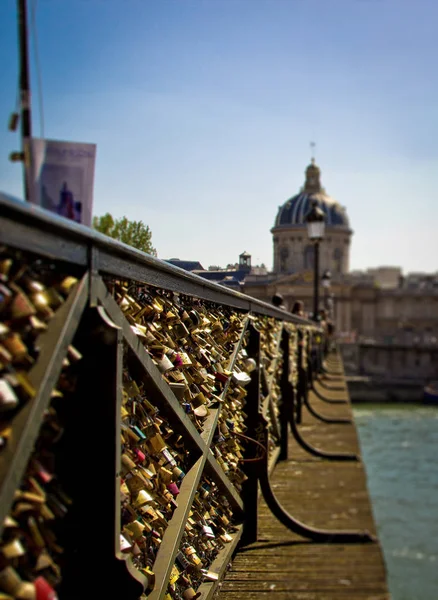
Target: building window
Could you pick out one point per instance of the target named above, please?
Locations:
(309, 253)
(337, 260)
(284, 254)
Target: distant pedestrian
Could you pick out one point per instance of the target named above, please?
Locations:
(330, 335)
(278, 301)
(298, 308)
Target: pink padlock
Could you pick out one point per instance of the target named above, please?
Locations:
(173, 489)
(140, 455)
(178, 361)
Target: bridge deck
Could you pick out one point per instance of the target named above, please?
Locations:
(323, 494)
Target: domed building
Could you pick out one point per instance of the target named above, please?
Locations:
(377, 304)
(393, 315)
(293, 252)
(292, 273)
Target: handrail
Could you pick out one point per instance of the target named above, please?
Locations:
(58, 237)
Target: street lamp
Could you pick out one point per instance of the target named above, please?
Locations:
(315, 221)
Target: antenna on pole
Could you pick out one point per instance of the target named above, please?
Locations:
(25, 108)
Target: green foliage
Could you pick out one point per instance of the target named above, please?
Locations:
(133, 233)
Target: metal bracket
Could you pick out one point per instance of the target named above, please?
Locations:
(322, 418)
(324, 399)
(316, 535)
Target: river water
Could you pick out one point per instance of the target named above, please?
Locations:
(400, 450)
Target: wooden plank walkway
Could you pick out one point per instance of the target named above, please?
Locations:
(322, 494)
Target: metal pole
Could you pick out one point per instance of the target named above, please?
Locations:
(26, 130)
(316, 283)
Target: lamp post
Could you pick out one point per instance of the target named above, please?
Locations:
(315, 221)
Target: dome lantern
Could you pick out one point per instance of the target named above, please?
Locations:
(313, 182)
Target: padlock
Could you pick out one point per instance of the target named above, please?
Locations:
(8, 397)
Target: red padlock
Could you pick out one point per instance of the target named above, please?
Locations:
(44, 590)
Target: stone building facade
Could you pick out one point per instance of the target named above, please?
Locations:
(390, 321)
(379, 305)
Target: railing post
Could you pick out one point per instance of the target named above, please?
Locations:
(302, 384)
(252, 410)
(286, 399)
(94, 567)
(310, 360)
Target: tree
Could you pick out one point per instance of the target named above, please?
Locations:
(133, 233)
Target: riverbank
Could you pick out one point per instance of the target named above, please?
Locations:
(381, 390)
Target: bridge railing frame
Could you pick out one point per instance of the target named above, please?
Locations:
(92, 318)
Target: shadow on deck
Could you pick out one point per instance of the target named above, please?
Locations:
(323, 494)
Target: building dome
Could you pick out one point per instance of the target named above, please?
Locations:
(293, 251)
(294, 211)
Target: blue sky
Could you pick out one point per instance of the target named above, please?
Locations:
(203, 110)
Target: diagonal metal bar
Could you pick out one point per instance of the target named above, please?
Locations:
(159, 390)
(174, 532)
(54, 343)
(219, 566)
(172, 536)
(271, 378)
(268, 403)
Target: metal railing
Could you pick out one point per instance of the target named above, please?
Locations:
(141, 408)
